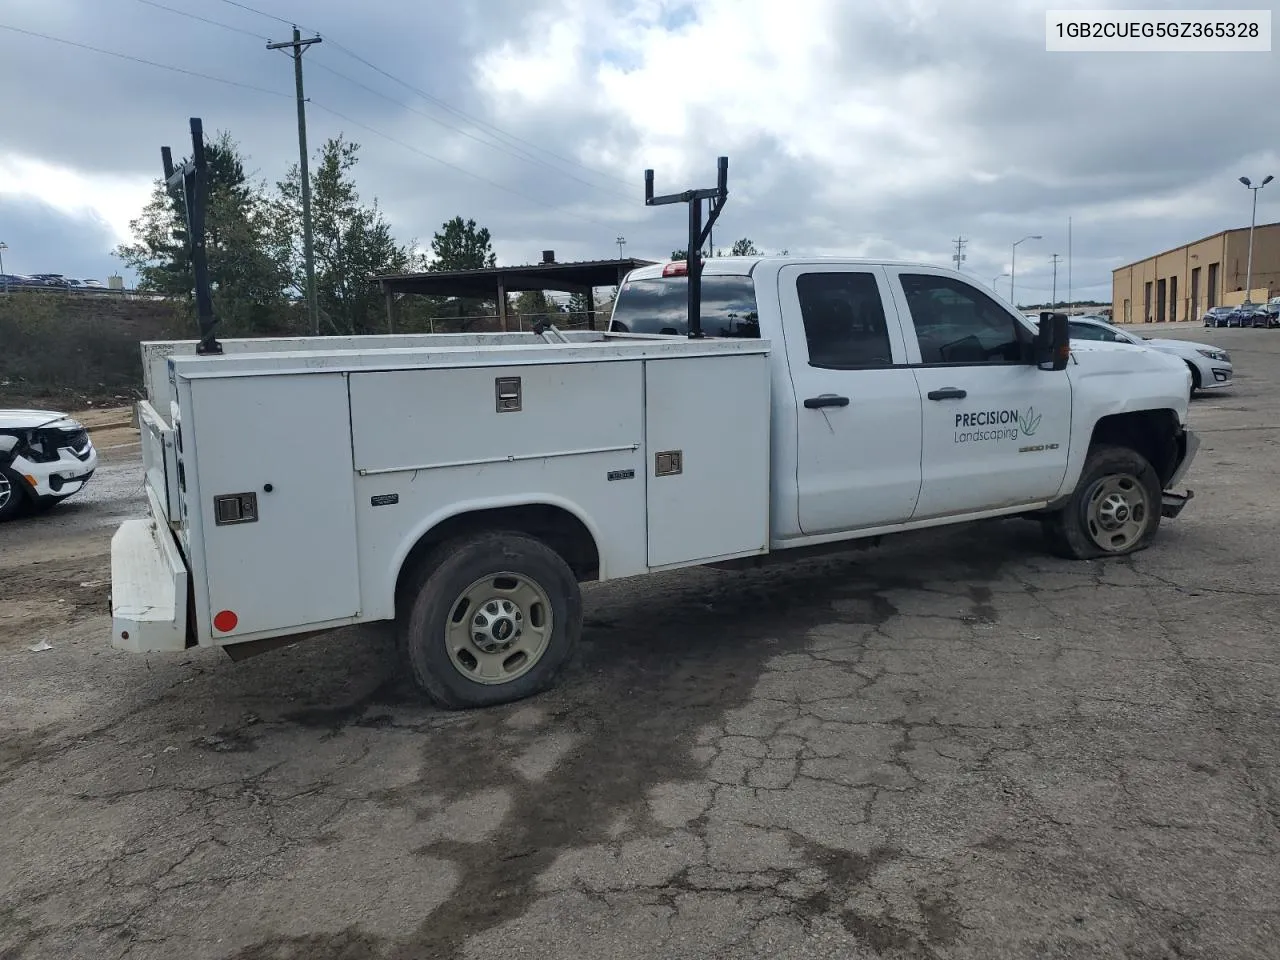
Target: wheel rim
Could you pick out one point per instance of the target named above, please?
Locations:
(499, 628)
(6, 491)
(1116, 512)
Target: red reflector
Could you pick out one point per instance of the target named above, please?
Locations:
(225, 621)
(677, 268)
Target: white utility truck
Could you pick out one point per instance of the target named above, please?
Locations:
(465, 485)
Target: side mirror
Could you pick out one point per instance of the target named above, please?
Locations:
(1053, 342)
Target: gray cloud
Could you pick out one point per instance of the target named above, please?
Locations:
(1142, 150)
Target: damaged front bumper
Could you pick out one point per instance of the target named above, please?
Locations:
(1171, 502)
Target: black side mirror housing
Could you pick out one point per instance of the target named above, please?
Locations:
(1053, 342)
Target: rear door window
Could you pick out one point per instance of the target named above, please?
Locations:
(660, 305)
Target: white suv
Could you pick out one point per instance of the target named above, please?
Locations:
(45, 457)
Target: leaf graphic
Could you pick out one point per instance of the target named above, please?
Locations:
(1028, 424)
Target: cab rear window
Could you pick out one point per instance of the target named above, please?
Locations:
(660, 305)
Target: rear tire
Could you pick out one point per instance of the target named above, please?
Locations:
(1114, 510)
(13, 495)
(493, 619)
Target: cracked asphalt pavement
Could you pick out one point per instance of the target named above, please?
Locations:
(950, 746)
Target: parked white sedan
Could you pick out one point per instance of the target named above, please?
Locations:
(45, 457)
(1210, 366)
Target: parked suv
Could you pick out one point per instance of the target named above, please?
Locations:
(45, 457)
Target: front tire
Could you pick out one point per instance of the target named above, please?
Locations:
(1114, 510)
(494, 619)
(13, 496)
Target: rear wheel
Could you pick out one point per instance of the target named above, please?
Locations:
(13, 497)
(494, 618)
(1114, 510)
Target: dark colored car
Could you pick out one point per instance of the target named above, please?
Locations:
(1217, 316)
(1249, 315)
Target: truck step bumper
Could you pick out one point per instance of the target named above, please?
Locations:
(1172, 503)
(148, 589)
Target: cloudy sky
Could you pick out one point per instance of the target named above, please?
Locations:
(876, 127)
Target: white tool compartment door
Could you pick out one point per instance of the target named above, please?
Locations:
(283, 445)
(707, 438)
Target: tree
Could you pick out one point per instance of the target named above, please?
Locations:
(245, 278)
(532, 306)
(740, 248)
(576, 308)
(352, 241)
(461, 245)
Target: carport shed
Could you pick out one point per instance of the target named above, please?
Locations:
(582, 276)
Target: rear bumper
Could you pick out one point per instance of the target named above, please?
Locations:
(148, 589)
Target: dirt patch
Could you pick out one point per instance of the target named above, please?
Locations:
(38, 599)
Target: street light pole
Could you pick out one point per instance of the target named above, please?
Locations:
(995, 278)
(1248, 280)
(3, 248)
(1013, 265)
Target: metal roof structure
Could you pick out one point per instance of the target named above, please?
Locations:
(494, 283)
(575, 277)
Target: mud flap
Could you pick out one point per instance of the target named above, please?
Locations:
(1172, 503)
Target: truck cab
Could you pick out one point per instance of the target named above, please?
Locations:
(905, 395)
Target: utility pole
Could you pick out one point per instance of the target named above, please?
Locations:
(1053, 300)
(1069, 264)
(959, 256)
(621, 242)
(298, 46)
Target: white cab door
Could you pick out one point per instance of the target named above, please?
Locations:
(996, 426)
(858, 405)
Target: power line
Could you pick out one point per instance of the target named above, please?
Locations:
(454, 166)
(149, 63)
(444, 105)
(269, 16)
(473, 119)
(196, 16)
(501, 147)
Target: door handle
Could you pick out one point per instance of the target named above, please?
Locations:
(826, 400)
(947, 393)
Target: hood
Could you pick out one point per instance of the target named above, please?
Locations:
(30, 419)
(1160, 343)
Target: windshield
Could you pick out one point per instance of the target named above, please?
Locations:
(661, 305)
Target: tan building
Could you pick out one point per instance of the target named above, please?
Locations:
(1181, 284)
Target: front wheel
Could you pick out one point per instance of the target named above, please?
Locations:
(13, 498)
(1114, 510)
(495, 618)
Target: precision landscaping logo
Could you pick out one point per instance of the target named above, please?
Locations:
(1003, 424)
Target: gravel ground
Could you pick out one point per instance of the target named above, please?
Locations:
(952, 746)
